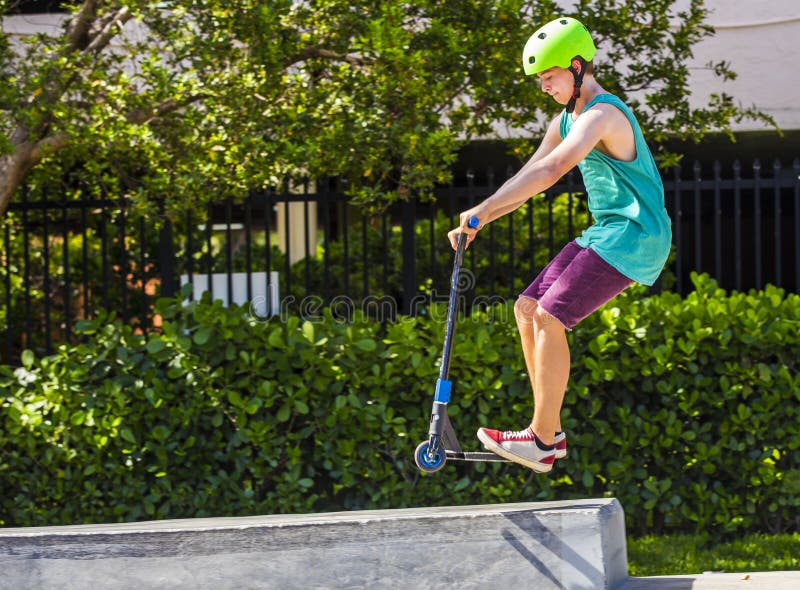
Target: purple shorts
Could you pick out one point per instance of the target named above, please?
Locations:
(576, 283)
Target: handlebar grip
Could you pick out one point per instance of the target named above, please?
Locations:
(473, 222)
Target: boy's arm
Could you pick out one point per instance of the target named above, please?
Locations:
(552, 138)
(553, 159)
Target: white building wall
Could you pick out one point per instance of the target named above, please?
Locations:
(761, 39)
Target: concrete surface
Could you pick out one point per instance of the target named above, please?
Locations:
(720, 581)
(546, 545)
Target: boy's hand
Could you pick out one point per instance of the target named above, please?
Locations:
(464, 227)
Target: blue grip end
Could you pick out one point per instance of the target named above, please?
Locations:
(473, 222)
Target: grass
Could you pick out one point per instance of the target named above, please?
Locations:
(682, 555)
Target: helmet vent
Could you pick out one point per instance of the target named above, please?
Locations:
(564, 21)
(542, 35)
(531, 59)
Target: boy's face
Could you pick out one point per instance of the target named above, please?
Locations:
(558, 83)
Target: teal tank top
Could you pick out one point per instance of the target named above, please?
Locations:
(631, 229)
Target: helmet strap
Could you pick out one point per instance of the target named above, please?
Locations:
(576, 90)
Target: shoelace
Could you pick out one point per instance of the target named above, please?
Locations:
(518, 434)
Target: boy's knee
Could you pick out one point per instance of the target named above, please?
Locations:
(525, 308)
(542, 319)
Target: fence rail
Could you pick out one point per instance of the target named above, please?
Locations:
(62, 259)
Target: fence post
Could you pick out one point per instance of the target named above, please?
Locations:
(166, 259)
(408, 253)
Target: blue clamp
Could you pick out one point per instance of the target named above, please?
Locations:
(443, 388)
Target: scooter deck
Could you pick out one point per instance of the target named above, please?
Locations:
(485, 456)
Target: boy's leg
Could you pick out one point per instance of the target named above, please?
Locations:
(525, 310)
(551, 370)
(584, 285)
(575, 283)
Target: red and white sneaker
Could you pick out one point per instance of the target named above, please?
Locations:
(561, 445)
(518, 446)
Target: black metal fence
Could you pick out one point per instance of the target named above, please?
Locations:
(297, 251)
(743, 229)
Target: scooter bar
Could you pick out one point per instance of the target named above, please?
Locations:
(452, 307)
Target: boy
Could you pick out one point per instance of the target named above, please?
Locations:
(629, 240)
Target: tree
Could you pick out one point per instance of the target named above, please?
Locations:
(183, 102)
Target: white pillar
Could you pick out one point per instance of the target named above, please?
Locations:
(299, 242)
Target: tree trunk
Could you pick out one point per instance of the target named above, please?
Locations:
(26, 155)
(13, 168)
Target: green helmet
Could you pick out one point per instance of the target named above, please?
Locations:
(555, 44)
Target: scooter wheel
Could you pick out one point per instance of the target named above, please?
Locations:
(427, 463)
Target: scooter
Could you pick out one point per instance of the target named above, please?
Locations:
(442, 444)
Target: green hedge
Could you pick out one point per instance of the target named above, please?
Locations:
(684, 409)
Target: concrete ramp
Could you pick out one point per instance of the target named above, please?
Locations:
(548, 545)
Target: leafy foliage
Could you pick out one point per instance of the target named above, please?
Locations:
(187, 102)
(686, 410)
